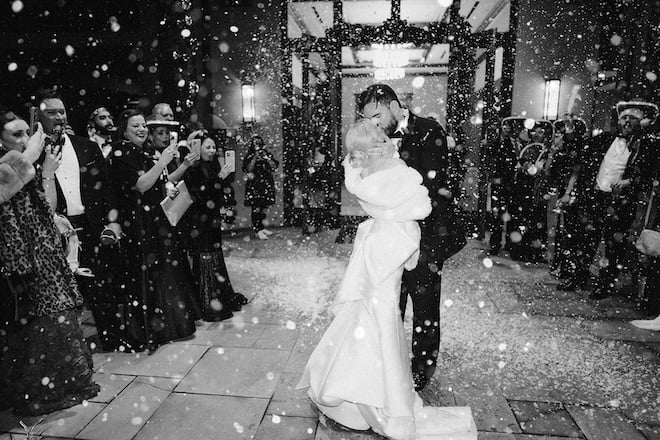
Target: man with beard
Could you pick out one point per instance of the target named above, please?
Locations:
(619, 169)
(83, 195)
(100, 129)
(422, 144)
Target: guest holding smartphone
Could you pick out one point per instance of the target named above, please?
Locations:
(208, 184)
(258, 166)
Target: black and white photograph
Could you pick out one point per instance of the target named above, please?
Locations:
(329, 220)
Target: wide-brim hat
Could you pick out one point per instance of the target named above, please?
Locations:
(153, 123)
(646, 112)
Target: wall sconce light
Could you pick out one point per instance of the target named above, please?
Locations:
(551, 100)
(247, 99)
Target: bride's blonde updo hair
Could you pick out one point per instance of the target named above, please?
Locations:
(363, 135)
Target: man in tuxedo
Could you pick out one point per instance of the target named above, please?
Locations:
(83, 192)
(100, 129)
(619, 170)
(422, 145)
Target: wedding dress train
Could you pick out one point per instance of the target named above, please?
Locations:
(359, 374)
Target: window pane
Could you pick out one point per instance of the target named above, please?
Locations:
(373, 12)
(309, 18)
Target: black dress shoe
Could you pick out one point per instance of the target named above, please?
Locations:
(600, 293)
(571, 285)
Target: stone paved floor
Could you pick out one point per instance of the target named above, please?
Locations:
(533, 363)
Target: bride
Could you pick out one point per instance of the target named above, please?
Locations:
(359, 374)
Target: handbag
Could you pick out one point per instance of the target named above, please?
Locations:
(648, 241)
(174, 208)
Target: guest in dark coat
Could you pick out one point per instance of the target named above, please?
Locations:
(45, 365)
(208, 184)
(258, 166)
(160, 284)
(423, 146)
(500, 166)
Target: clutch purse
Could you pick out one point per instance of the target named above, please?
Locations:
(174, 208)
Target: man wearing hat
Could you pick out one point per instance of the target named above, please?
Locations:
(616, 170)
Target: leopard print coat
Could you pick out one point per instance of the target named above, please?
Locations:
(31, 251)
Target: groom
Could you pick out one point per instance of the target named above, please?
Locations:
(423, 146)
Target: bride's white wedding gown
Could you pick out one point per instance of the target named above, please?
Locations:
(359, 374)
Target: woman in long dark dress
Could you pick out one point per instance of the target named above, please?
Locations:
(160, 284)
(258, 166)
(208, 186)
(44, 363)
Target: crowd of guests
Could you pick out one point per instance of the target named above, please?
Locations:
(82, 221)
(596, 188)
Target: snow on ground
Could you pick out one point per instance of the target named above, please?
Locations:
(490, 340)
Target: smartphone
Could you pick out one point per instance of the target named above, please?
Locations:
(230, 158)
(174, 137)
(34, 114)
(196, 146)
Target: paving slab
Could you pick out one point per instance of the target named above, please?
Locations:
(543, 418)
(289, 401)
(297, 361)
(236, 372)
(490, 409)
(227, 334)
(293, 408)
(171, 360)
(620, 331)
(650, 432)
(289, 428)
(329, 430)
(204, 417)
(129, 411)
(603, 424)
(277, 337)
(111, 385)
(64, 423)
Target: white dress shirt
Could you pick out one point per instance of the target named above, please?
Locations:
(613, 165)
(68, 176)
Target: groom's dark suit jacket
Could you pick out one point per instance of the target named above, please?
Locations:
(424, 148)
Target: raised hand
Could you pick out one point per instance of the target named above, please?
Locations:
(225, 171)
(51, 161)
(190, 159)
(167, 155)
